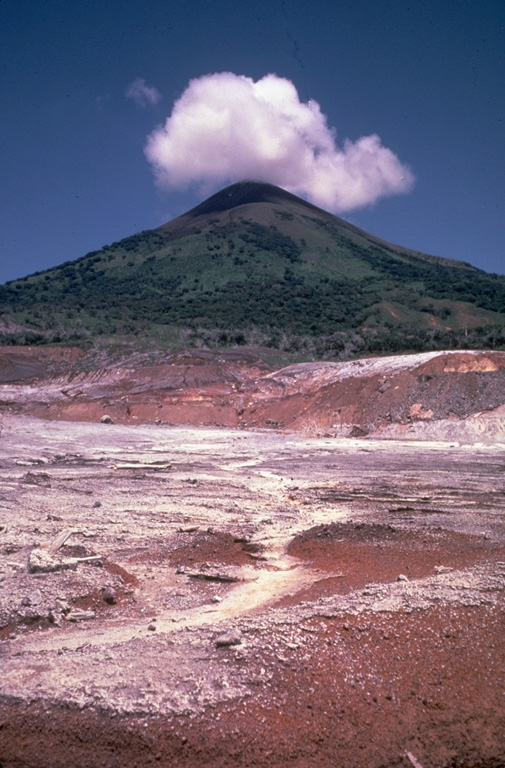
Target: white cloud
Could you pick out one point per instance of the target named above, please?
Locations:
(142, 94)
(227, 128)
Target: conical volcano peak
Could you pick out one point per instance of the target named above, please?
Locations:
(244, 193)
(257, 262)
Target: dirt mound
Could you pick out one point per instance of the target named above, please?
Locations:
(236, 388)
(216, 548)
(357, 554)
(353, 694)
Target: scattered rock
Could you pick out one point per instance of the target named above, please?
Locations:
(41, 561)
(402, 577)
(62, 606)
(357, 431)
(106, 419)
(79, 615)
(109, 595)
(442, 569)
(37, 478)
(32, 599)
(222, 577)
(55, 617)
(228, 639)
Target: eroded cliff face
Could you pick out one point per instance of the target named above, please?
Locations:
(460, 394)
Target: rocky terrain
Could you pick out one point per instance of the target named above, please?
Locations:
(447, 395)
(209, 561)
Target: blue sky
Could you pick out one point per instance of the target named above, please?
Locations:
(427, 77)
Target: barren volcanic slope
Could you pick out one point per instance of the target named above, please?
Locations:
(255, 263)
(433, 395)
(194, 595)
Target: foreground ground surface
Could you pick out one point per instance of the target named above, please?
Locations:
(186, 596)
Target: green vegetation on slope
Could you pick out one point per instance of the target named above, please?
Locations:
(268, 269)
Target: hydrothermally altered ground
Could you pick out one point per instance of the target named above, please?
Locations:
(271, 594)
(457, 395)
(188, 596)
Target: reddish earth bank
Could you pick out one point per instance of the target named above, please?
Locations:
(194, 596)
(355, 692)
(393, 396)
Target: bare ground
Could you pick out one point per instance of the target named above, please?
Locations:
(433, 395)
(260, 598)
(194, 595)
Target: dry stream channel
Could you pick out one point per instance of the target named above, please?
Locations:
(200, 566)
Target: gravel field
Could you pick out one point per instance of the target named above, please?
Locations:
(188, 596)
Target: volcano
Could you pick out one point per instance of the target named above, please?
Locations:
(256, 264)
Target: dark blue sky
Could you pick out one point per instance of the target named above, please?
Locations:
(427, 77)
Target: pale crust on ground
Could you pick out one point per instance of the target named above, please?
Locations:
(206, 596)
